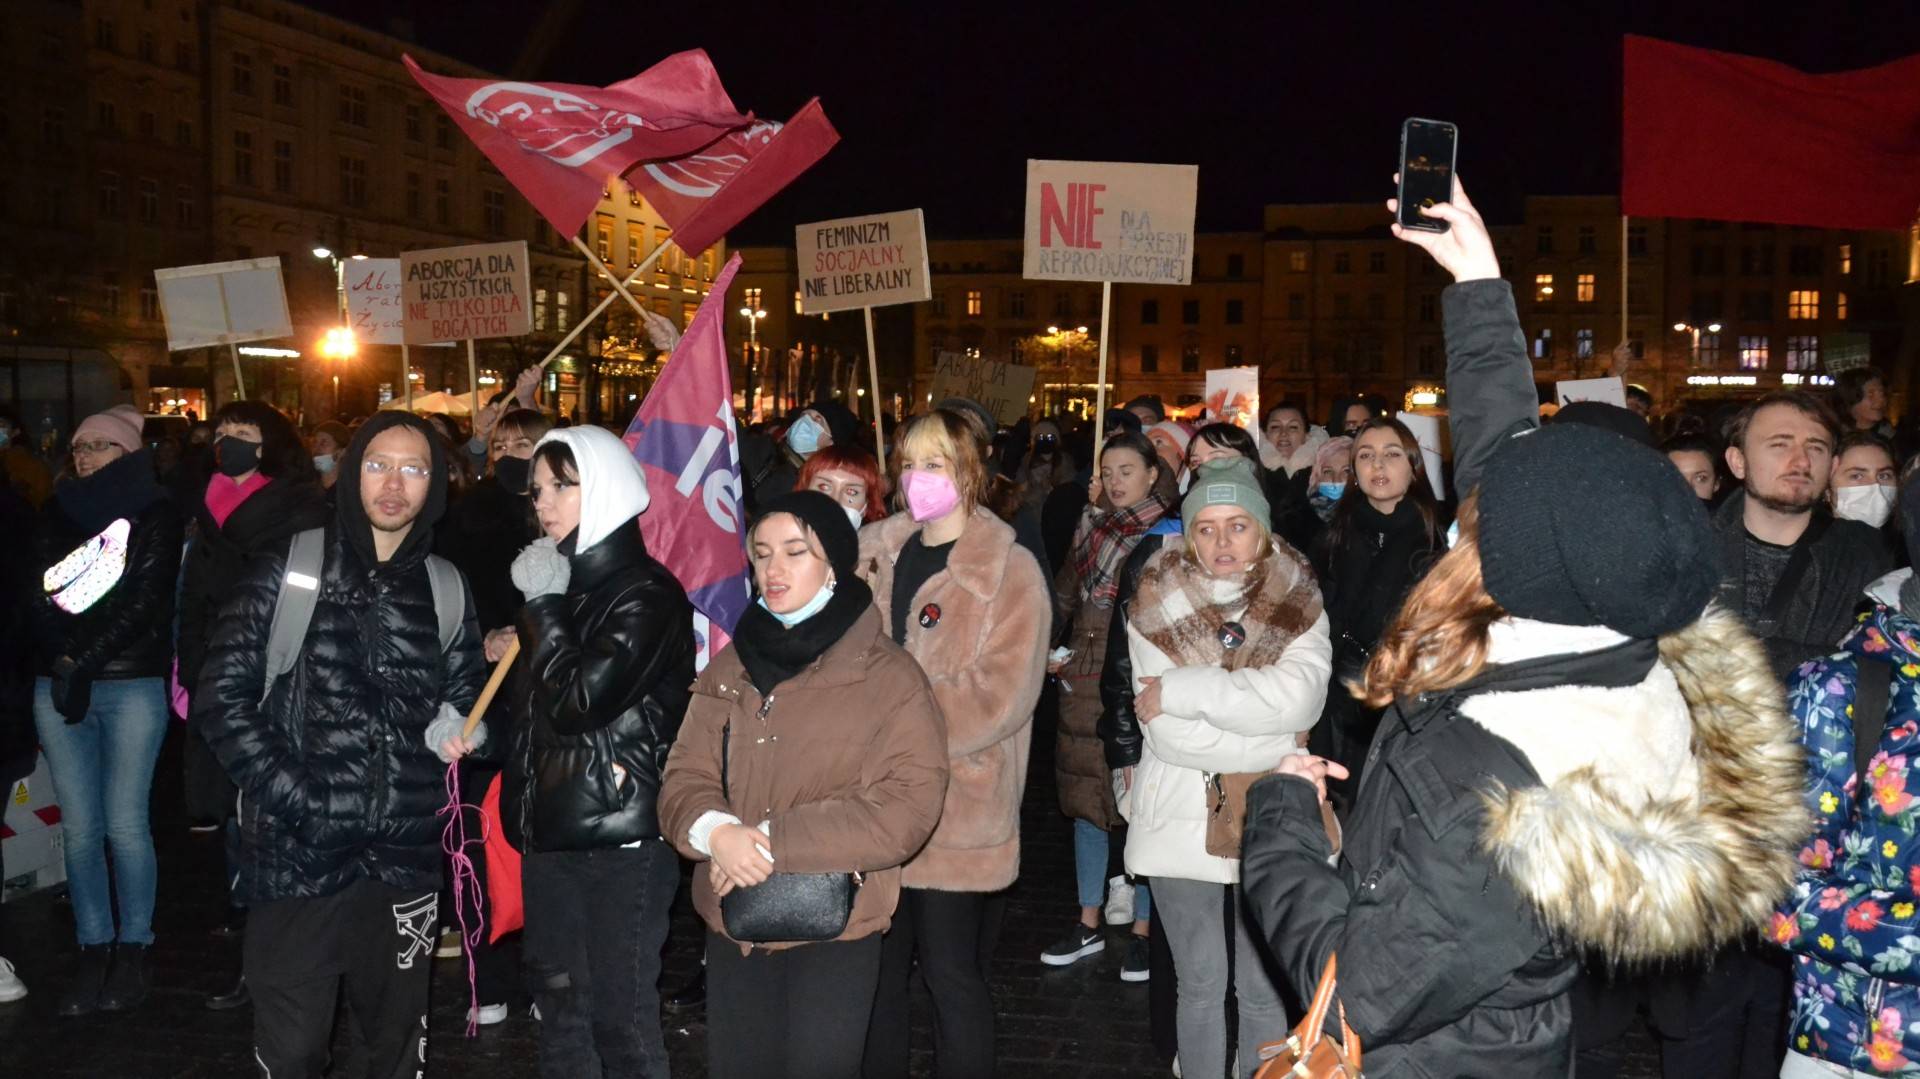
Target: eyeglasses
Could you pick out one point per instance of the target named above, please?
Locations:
(98, 446)
(374, 467)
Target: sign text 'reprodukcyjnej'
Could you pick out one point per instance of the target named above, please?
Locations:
(1106, 221)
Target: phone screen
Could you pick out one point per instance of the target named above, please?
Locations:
(1426, 170)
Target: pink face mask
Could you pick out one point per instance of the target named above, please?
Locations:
(930, 495)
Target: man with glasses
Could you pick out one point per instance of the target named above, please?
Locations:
(339, 762)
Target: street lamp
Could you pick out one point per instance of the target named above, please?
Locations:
(1064, 342)
(339, 343)
(753, 315)
(1694, 333)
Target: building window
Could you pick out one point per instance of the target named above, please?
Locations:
(1149, 359)
(1803, 303)
(1877, 263)
(1840, 306)
(149, 201)
(1297, 356)
(1543, 240)
(603, 237)
(109, 194)
(1637, 240)
(243, 158)
(182, 56)
(493, 212)
(147, 48)
(939, 304)
(1234, 355)
(1583, 288)
(1376, 305)
(414, 197)
(183, 206)
(1586, 243)
(1753, 353)
(110, 293)
(1709, 259)
(1803, 260)
(560, 300)
(1803, 353)
(636, 244)
(1236, 266)
(1427, 360)
(183, 133)
(975, 303)
(415, 133)
(282, 85)
(539, 309)
(1342, 262)
(442, 132)
(1342, 306)
(104, 35)
(1297, 261)
(1543, 344)
(1709, 350)
(147, 124)
(1756, 306)
(1846, 258)
(282, 166)
(1427, 307)
(1757, 260)
(1017, 304)
(752, 296)
(149, 303)
(1190, 312)
(1543, 288)
(1190, 359)
(1296, 305)
(1376, 262)
(106, 118)
(1583, 344)
(1149, 312)
(1236, 312)
(442, 202)
(1062, 304)
(353, 180)
(353, 106)
(243, 74)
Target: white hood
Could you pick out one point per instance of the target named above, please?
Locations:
(613, 489)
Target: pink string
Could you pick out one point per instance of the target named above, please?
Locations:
(466, 882)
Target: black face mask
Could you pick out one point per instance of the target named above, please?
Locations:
(235, 456)
(511, 473)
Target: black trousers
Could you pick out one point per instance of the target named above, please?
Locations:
(946, 930)
(596, 921)
(1728, 1021)
(375, 940)
(800, 1012)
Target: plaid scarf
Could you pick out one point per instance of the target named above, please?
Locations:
(1181, 610)
(1103, 542)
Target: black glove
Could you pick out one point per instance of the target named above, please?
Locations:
(72, 694)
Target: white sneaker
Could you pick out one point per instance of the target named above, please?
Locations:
(487, 1015)
(534, 1011)
(1119, 901)
(11, 987)
(1176, 1066)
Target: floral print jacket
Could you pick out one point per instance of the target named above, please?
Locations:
(1851, 923)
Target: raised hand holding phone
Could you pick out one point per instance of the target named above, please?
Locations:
(1428, 151)
(1465, 250)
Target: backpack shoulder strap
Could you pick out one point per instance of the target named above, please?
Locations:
(1872, 692)
(449, 598)
(293, 608)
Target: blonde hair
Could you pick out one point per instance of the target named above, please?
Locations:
(1439, 638)
(947, 434)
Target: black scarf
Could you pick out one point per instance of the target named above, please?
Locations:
(1380, 558)
(121, 488)
(772, 653)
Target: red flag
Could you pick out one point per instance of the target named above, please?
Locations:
(1718, 135)
(559, 143)
(703, 195)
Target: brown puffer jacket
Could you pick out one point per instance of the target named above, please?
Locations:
(985, 655)
(849, 767)
(1079, 758)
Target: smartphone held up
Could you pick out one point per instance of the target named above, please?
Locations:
(1427, 153)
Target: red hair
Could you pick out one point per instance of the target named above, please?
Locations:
(857, 463)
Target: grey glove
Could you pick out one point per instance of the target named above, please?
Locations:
(447, 726)
(540, 569)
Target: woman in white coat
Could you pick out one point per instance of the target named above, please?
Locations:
(1231, 658)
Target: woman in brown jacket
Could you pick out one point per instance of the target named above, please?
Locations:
(971, 605)
(834, 762)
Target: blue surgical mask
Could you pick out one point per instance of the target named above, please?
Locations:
(1332, 491)
(804, 436)
(323, 462)
(6, 436)
(812, 607)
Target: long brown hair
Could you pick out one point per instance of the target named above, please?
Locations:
(1341, 527)
(1439, 638)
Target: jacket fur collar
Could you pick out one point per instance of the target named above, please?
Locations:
(1668, 813)
(979, 557)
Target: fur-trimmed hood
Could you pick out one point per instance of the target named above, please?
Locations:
(1669, 812)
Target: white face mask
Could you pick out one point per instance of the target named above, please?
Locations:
(1870, 505)
(853, 516)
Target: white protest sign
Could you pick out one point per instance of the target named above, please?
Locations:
(375, 312)
(856, 262)
(223, 303)
(1427, 431)
(1610, 391)
(1003, 387)
(1233, 396)
(1107, 221)
(462, 293)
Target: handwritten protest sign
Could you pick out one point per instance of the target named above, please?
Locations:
(455, 293)
(1106, 221)
(1003, 387)
(856, 262)
(1610, 391)
(1233, 396)
(375, 312)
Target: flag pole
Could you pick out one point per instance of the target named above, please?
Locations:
(618, 285)
(1623, 277)
(873, 373)
(473, 379)
(406, 374)
(1100, 390)
(639, 271)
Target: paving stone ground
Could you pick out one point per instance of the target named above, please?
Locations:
(1073, 1023)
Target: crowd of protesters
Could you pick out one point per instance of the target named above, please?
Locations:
(1620, 731)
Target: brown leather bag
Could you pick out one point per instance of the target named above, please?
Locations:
(1308, 1053)
(1227, 813)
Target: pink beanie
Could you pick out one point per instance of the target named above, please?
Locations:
(1337, 452)
(120, 425)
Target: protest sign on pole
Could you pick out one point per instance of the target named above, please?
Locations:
(863, 262)
(1428, 432)
(1109, 221)
(375, 312)
(1233, 396)
(1612, 391)
(224, 303)
(1003, 387)
(464, 293)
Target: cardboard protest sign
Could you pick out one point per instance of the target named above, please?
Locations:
(1003, 387)
(456, 293)
(1845, 351)
(1428, 431)
(223, 303)
(1106, 221)
(375, 312)
(1610, 391)
(856, 262)
(1233, 396)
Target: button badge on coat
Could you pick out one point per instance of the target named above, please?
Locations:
(930, 616)
(1233, 635)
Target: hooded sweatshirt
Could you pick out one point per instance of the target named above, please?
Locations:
(613, 489)
(351, 516)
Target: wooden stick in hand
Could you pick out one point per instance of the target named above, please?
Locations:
(498, 676)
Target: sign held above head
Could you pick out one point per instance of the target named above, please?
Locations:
(1108, 221)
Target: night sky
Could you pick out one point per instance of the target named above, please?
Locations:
(939, 105)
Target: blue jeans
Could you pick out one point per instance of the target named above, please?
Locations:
(103, 777)
(1090, 871)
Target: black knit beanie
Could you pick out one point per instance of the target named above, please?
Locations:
(825, 517)
(1583, 527)
(1621, 421)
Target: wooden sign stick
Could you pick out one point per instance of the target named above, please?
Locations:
(494, 680)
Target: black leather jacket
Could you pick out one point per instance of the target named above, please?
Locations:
(600, 687)
(127, 633)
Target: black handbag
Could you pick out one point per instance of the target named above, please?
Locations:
(786, 907)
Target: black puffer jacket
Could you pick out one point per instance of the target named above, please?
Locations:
(336, 781)
(126, 632)
(602, 681)
(219, 555)
(482, 533)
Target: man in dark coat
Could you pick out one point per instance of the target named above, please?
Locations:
(338, 776)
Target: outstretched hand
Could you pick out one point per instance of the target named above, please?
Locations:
(1314, 770)
(1465, 250)
(661, 332)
